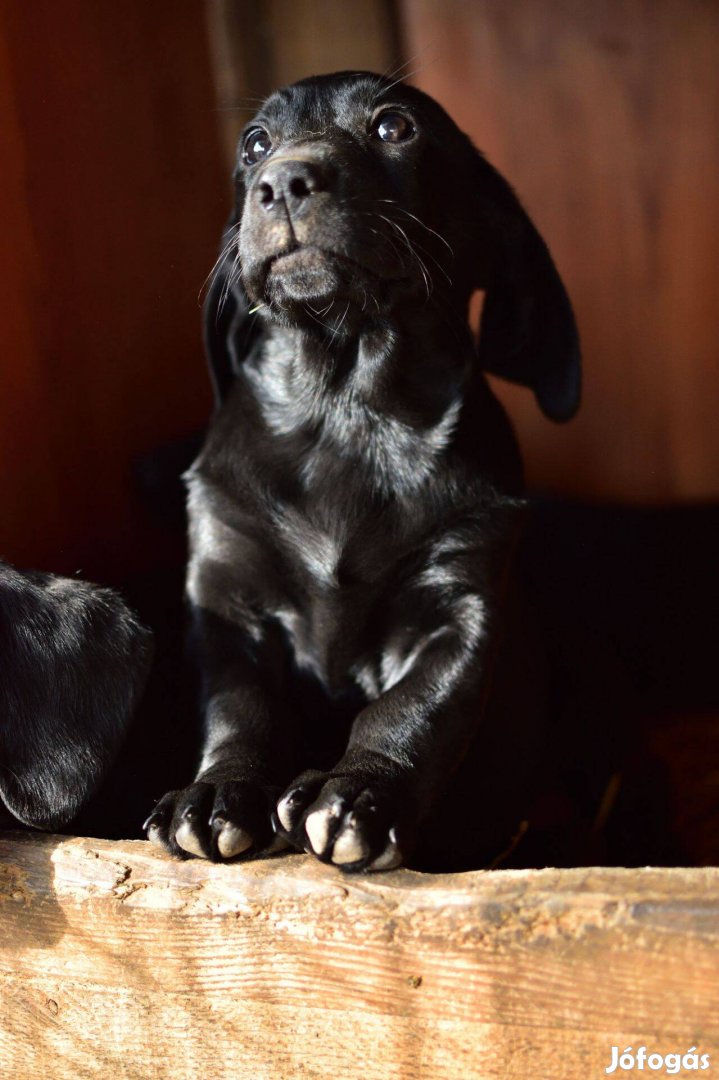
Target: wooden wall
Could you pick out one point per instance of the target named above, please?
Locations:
(112, 196)
(605, 116)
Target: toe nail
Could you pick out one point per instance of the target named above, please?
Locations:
(391, 857)
(188, 840)
(232, 841)
(153, 835)
(350, 846)
(283, 811)
(317, 827)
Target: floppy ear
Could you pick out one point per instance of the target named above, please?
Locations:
(74, 663)
(527, 334)
(229, 327)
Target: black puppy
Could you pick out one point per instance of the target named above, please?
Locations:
(354, 509)
(73, 661)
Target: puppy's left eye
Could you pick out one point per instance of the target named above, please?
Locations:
(392, 127)
(256, 147)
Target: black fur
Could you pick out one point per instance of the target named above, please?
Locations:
(73, 660)
(355, 507)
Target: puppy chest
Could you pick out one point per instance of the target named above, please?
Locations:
(332, 581)
(323, 572)
(312, 552)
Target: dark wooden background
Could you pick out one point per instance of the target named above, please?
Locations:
(605, 116)
(112, 194)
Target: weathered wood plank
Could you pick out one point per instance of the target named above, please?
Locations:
(116, 960)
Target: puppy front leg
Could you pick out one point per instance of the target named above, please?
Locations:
(403, 746)
(247, 755)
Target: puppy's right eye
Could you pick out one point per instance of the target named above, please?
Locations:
(256, 147)
(392, 127)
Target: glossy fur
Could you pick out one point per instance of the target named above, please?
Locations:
(73, 661)
(354, 509)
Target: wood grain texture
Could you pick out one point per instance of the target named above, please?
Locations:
(606, 119)
(115, 960)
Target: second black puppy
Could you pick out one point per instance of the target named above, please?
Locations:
(73, 663)
(353, 512)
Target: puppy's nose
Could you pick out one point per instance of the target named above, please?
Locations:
(292, 182)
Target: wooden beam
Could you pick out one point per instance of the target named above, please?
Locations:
(117, 961)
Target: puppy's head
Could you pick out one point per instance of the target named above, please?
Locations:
(355, 195)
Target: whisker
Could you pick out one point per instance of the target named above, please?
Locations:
(312, 314)
(414, 217)
(385, 239)
(428, 283)
(339, 327)
(395, 72)
(409, 75)
(428, 254)
(416, 243)
(246, 101)
(435, 260)
(218, 261)
(232, 278)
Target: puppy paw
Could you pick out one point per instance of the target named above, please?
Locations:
(344, 819)
(215, 821)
